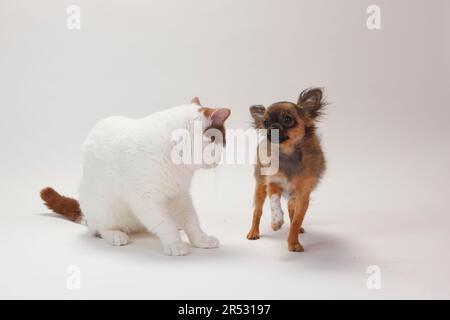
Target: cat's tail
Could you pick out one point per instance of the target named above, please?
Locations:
(68, 207)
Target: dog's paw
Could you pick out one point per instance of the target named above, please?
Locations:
(296, 247)
(277, 224)
(115, 237)
(253, 235)
(206, 242)
(177, 249)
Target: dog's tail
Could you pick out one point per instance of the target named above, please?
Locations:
(68, 207)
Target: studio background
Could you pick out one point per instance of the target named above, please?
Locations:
(384, 200)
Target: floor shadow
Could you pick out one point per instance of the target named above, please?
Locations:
(323, 251)
(53, 216)
(147, 247)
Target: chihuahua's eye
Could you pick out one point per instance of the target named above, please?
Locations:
(266, 124)
(288, 120)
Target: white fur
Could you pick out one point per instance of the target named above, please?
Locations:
(277, 212)
(283, 182)
(131, 184)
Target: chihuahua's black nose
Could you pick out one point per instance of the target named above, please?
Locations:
(275, 126)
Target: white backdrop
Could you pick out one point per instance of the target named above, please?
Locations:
(384, 200)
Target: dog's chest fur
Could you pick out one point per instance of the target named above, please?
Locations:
(290, 165)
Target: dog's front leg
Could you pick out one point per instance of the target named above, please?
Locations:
(302, 195)
(301, 205)
(274, 192)
(260, 197)
(291, 208)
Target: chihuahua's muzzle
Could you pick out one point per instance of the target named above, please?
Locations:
(275, 134)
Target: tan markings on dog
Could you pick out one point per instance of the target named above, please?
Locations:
(303, 189)
(295, 135)
(274, 189)
(291, 208)
(260, 197)
(281, 181)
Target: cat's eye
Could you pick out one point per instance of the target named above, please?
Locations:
(266, 124)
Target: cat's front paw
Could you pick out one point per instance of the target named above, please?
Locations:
(177, 249)
(206, 242)
(115, 237)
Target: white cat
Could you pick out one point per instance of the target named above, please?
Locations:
(131, 184)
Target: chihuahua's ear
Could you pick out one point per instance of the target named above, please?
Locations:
(311, 102)
(196, 101)
(257, 113)
(219, 116)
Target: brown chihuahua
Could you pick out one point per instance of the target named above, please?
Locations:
(301, 162)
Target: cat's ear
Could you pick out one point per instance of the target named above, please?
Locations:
(196, 101)
(218, 117)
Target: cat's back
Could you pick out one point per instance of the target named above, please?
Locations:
(106, 133)
(117, 137)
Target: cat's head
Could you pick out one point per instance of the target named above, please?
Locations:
(213, 121)
(213, 126)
